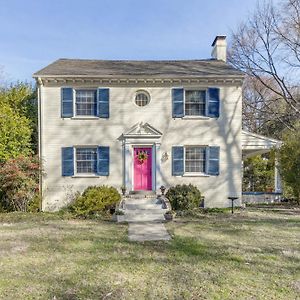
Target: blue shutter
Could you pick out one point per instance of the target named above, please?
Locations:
(177, 160)
(103, 103)
(67, 155)
(96, 103)
(177, 103)
(103, 161)
(67, 103)
(213, 160)
(213, 102)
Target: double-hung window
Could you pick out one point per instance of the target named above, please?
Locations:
(195, 159)
(86, 160)
(86, 102)
(195, 102)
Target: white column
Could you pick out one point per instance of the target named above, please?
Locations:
(158, 167)
(278, 184)
(242, 172)
(127, 167)
(123, 163)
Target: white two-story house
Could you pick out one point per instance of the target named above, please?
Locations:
(141, 124)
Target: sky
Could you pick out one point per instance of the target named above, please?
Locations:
(34, 33)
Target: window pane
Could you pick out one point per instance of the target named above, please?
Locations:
(195, 103)
(86, 160)
(86, 102)
(142, 99)
(195, 159)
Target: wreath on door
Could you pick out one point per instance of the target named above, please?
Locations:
(142, 156)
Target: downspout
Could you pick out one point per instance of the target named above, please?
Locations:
(39, 95)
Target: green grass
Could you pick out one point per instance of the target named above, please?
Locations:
(254, 254)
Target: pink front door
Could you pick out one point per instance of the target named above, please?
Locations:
(142, 169)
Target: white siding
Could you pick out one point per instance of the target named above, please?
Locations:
(224, 132)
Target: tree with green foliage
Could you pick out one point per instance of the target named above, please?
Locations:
(289, 159)
(15, 134)
(18, 121)
(258, 173)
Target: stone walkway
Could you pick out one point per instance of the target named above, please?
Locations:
(145, 217)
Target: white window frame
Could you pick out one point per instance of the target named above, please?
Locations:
(74, 103)
(206, 161)
(206, 102)
(75, 160)
(142, 92)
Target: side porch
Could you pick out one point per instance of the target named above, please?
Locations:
(255, 144)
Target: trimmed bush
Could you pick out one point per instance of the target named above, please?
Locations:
(95, 200)
(184, 197)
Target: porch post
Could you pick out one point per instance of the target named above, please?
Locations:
(127, 166)
(242, 172)
(278, 185)
(123, 164)
(158, 167)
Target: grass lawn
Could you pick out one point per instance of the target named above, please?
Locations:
(251, 255)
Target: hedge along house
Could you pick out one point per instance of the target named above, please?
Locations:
(141, 124)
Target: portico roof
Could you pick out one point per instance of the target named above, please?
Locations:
(142, 130)
(255, 144)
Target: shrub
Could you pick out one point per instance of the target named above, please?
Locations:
(19, 179)
(34, 205)
(289, 159)
(184, 197)
(94, 200)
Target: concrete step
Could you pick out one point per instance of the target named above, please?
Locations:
(141, 201)
(130, 206)
(140, 196)
(144, 218)
(142, 193)
(145, 211)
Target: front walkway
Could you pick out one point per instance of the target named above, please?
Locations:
(148, 231)
(145, 217)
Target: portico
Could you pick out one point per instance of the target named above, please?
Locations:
(141, 174)
(255, 144)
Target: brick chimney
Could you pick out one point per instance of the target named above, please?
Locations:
(219, 48)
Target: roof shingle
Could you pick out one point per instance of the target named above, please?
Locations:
(134, 68)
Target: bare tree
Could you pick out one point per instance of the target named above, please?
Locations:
(266, 47)
(262, 111)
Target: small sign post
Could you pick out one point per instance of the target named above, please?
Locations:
(232, 198)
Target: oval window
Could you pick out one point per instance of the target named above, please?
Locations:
(142, 98)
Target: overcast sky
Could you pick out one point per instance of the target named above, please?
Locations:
(34, 33)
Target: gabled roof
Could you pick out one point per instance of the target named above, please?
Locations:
(254, 144)
(144, 130)
(254, 139)
(133, 68)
